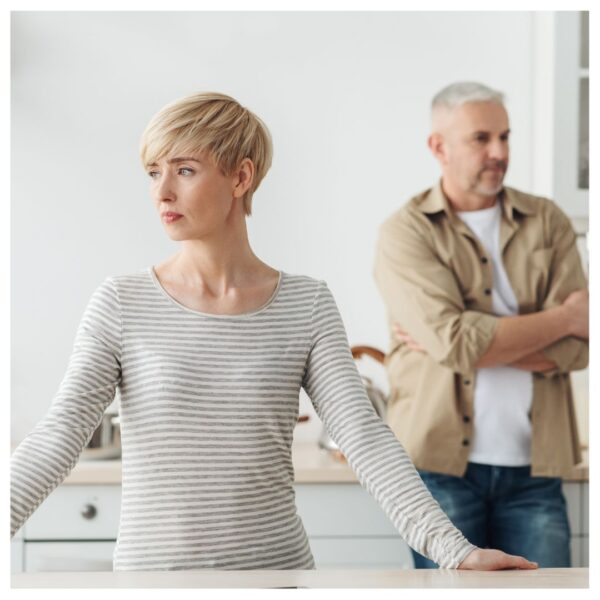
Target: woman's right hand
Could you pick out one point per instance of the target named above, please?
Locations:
(493, 560)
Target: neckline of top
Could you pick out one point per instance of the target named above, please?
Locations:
(260, 309)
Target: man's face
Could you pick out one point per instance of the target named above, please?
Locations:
(474, 147)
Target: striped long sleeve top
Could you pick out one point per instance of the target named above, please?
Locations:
(208, 408)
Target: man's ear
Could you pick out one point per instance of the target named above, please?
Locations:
(244, 176)
(437, 146)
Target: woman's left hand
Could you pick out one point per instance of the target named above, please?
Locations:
(492, 560)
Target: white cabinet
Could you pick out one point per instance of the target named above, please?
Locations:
(17, 547)
(585, 525)
(69, 556)
(77, 512)
(347, 529)
(572, 494)
(576, 495)
(75, 529)
(340, 509)
(361, 553)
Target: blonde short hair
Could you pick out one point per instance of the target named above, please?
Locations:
(215, 123)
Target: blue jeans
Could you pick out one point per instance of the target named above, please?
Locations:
(506, 509)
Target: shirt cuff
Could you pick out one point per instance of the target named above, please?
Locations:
(569, 354)
(480, 328)
(453, 560)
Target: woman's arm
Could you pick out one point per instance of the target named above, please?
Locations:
(49, 452)
(380, 462)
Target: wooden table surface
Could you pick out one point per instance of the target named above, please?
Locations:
(320, 578)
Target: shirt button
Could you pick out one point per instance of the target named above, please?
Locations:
(467, 381)
(488, 291)
(484, 259)
(466, 418)
(465, 442)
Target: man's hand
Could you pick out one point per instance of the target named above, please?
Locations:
(403, 337)
(494, 560)
(576, 308)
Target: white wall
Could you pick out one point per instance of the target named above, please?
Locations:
(345, 95)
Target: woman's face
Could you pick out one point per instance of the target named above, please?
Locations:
(194, 187)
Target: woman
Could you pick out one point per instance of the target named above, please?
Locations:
(210, 349)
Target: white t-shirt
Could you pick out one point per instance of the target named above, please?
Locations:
(503, 395)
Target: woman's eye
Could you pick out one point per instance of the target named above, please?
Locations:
(184, 171)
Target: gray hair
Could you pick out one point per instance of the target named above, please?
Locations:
(461, 92)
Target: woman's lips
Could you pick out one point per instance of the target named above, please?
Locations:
(169, 217)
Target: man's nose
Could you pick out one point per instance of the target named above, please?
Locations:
(498, 149)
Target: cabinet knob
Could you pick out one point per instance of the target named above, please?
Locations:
(89, 511)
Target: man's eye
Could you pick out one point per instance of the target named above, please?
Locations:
(190, 171)
(151, 174)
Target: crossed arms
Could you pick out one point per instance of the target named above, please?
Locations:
(425, 303)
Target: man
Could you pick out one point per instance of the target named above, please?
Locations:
(488, 310)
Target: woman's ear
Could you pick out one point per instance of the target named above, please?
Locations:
(244, 176)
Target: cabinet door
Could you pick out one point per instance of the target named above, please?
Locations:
(585, 508)
(16, 555)
(572, 493)
(361, 553)
(77, 512)
(347, 528)
(341, 509)
(69, 556)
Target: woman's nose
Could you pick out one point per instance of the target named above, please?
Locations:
(164, 188)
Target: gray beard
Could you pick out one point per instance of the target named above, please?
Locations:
(478, 188)
(488, 191)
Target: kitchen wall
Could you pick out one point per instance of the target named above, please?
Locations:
(345, 95)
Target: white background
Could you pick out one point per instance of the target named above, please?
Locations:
(345, 95)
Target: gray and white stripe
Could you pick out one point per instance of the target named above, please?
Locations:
(208, 408)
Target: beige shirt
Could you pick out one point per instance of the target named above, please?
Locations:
(436, 279)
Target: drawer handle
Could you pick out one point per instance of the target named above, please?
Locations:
(89, 511)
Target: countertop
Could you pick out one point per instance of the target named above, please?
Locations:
(320, 578)
(311, 465)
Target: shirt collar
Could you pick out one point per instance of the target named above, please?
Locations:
(435, 201)
(513, 200)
